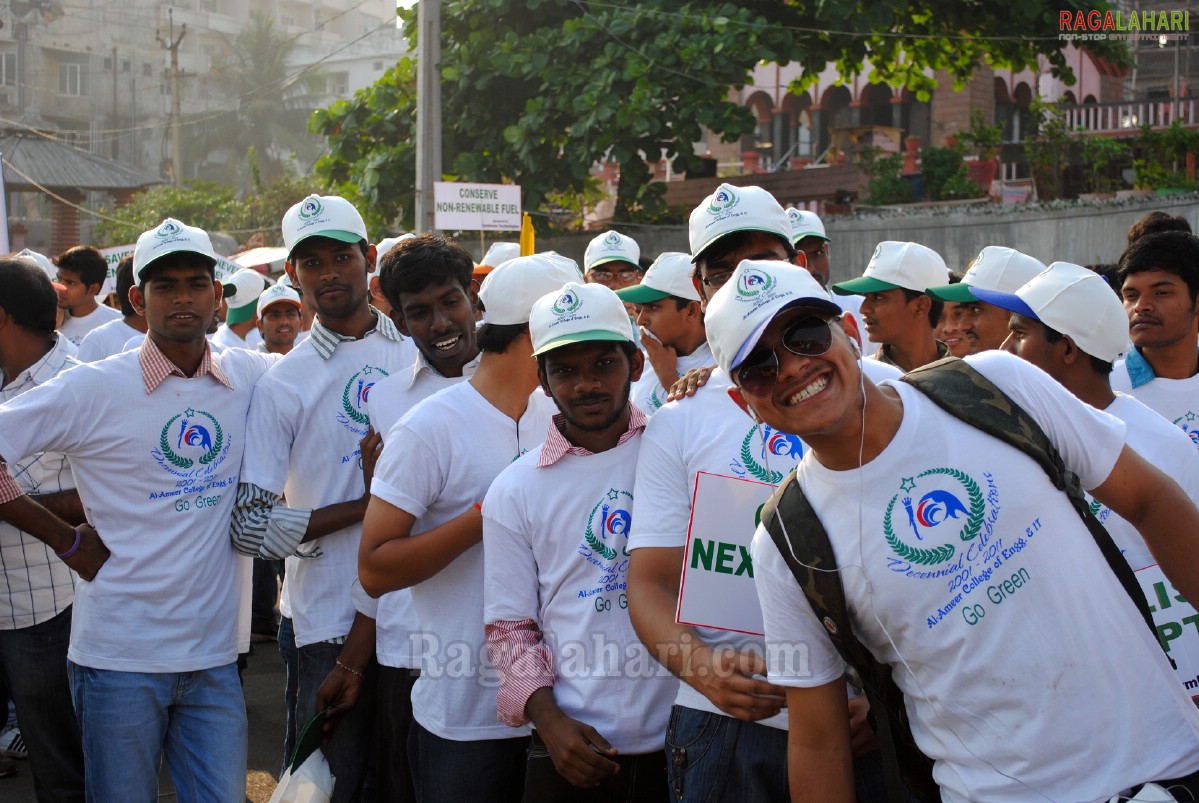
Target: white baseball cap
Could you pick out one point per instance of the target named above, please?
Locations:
(757, 291)
(509, 292)
(499, 253)
(170, 237)
(277, 294)
(910, 266)
(385, 245)
(670, 275)
(578, 313)
(43, 262)
(284, 280)
(322, 216)
(732, 209)
(611, 246)
(241, 293)
(1074, 301)
(805, 224)
(996, 267)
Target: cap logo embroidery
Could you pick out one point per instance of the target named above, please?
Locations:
(310, 208)
(612, 240)
(168, 229)
(567, 303)
(754, 283)
(722, 200)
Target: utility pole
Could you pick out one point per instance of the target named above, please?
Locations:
(428, 110)
(172, 44)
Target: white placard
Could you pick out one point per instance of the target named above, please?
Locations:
(476, 207)
(113, 256)
(717, 587)
(1177, 625)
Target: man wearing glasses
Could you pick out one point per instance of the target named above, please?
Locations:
(727, 739)
(611, 259)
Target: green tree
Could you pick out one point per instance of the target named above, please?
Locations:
(271, 102)
(537, 91)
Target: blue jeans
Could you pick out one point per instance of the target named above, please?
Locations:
(33, 664)
(641, 779)
(713, 757)
(130, 719)
(483, 771)
(291, 687)
(349, 750)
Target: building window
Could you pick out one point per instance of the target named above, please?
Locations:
(72, 79)
(339, 84)
(8, 69)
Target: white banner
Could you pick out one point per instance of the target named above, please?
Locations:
(717, 587)
(1177, 625)
(113, 256)
(476, 207)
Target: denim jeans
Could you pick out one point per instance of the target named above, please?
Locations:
(33, 664)
(713, 757)
(641, 779)
(483, 771)
(391, 734)
(349, 750)
(291, 686)
(129, 720)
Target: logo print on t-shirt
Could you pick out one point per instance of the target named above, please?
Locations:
(354, 397)
(1189, 424)
(938, 505)
(768, 444)
(608, 525)
(191, 437)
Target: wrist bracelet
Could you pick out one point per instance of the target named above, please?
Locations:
(74, 547)
(352, 671)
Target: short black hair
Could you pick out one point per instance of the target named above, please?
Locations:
(1171, 251)
(124, 282)
(935, 307)
(85, 261)
(1154, 222)
(26, 295)
(1097, 365)
(495, 338)
(417, 262)
(629, 349)
(736, 240)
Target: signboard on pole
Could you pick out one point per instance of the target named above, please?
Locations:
(476, 207)
(717, 587)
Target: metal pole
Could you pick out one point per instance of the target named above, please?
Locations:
(172, 44)
(428, 110)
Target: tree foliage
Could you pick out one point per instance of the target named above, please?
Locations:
(536, 91)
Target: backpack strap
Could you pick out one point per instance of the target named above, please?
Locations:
(803, 542)
(960, 390)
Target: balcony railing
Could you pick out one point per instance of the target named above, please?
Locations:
(1125, 117)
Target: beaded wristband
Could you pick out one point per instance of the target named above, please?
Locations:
(350, 670)
(74, 547)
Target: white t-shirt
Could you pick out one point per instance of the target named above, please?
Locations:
(555, 546)
(75, 329)
(708, 432)
(105, 341)
(1176, 400)
(648, 393)
(157, 475)
(226, 338)
(1165, 447)
(395, 614)
(460, 443)
(1017, 649)
(305, 423)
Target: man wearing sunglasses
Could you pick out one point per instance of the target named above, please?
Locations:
(727, 739)
(964, 568)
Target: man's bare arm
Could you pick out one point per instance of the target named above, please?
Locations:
(27, 515)
(819, 756)
(391, 558)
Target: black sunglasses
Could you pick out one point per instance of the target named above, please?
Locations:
(807, 337)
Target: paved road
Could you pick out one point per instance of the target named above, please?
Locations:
(263, 681)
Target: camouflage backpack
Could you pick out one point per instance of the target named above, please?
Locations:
(966, 394)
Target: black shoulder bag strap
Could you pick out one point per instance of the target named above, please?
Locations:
(963, 392)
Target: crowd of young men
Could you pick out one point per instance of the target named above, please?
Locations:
(487, 508)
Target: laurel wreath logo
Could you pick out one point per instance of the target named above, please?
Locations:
(595, 543)
(721, 201)
(347, 406)
(970, 530)
(759, 472)
(178, 460)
